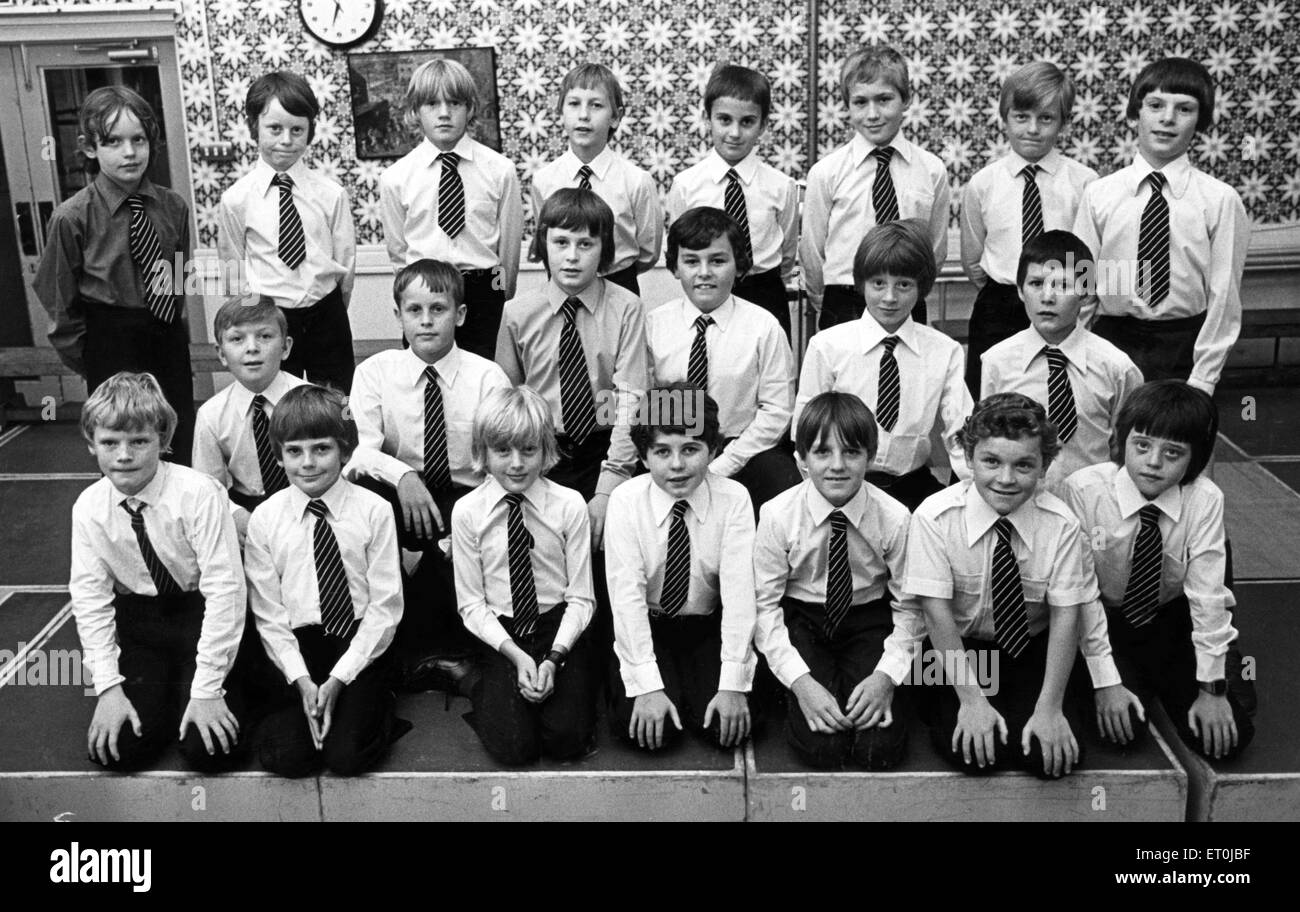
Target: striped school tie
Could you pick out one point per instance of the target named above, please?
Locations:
(1010, 620)
(451, 195)
(697, 368)
(163, 581)
(293, 244)
(883, 198)
(734, 201)
(839, 577)
(523, 588)
(1031, 205)
(677, 569)
(336, 611)
(1060, 395)
(1142, 595)
(577, 404)
(1153, 243)
(584, 177)
(890, 388)
(146, 253)
(272, 473)
(437, 469)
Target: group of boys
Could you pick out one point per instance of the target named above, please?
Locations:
(589, 497)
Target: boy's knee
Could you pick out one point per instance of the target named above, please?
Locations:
(518, 748)
(134, 753)
(347, 759)
(568, 743)
(818, 750)
(880, 748)
(196, 756)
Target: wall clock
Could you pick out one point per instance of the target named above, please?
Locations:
(341, 23)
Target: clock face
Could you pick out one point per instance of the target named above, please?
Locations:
(340, 23)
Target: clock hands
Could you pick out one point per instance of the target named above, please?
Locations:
(338, 8)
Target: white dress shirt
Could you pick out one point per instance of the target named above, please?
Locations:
(950, 554)
(1191, 529)
(1101, 377)
(556, 517)
(280, 562)
(991, 211)
(189, 525)
(387, 404)
(751, 371)
(630, 193)
(720, 521)
(611, 327)
(248, 232)
(223, 435)
(838, 213)
(771, 205)
(1209, 234)
(791, 550)
(931, 368)
(494, 210)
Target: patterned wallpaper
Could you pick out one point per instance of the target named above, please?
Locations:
(959, 51)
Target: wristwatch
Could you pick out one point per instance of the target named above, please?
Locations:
(1215, 688)
(557, 657)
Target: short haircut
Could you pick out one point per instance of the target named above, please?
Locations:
(665, 410)
(593, 76)
(239, 310)
(1177, 76)
(1175, 411)
(288, 88)
(575, 209)
(99, 114)
(1037, 85)
(436, 275)
(697, 228)
(128, 401)
(310, 412)
(435, 79)
(731, 81)
(1013, 416)
(843, 414)
(1054, 246)
(898, 248)
(875, 62)
(513, 417)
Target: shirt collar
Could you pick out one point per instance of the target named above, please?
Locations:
(599, 165)
(115, 196)
(980, 517)
(716, 166)
(1072, 346)
(872, 333)
(1051, 162)
(589, 296)
(265, 174)
(335, 498)
(151, 493)
(820, 509)
(413, 366)
(464, 148)
(1178, 174)
(862, 148)
(241, 397)
(721, 315)
(1131, 500)
(661, 502)
(496, 495)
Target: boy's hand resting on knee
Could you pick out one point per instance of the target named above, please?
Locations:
(307, 691)
(327, 697)
(546, 672)
(733, 716)
(977, 721)
(648, 711)
(869, 704)
(419, 512)
(1112, 713)
(526, 672)
(112, 711)
(215, 722)
(819, 708)
(1060, 749)
(1210, 719)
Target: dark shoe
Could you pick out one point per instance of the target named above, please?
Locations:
(450, 674)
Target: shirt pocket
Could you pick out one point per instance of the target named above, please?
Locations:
(896, 450)
(916, 202)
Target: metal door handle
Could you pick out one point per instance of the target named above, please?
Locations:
(26, 228)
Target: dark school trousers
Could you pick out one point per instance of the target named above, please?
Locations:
(998, 314)
(1160, 660)
(485, 299)
(688, 650)
(626, 278)
(1162, 349)
(516, 732)
(361, 727)
(842, 303)
(909, 489)
(768, 473)
(767, 291)
(1019, 682)
(158, 637)
(839, 664)
(132, 339)
(322, 343)
(431, 622)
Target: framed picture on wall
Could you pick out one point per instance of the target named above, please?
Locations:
(378, 82)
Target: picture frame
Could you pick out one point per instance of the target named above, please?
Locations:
(378, 80)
